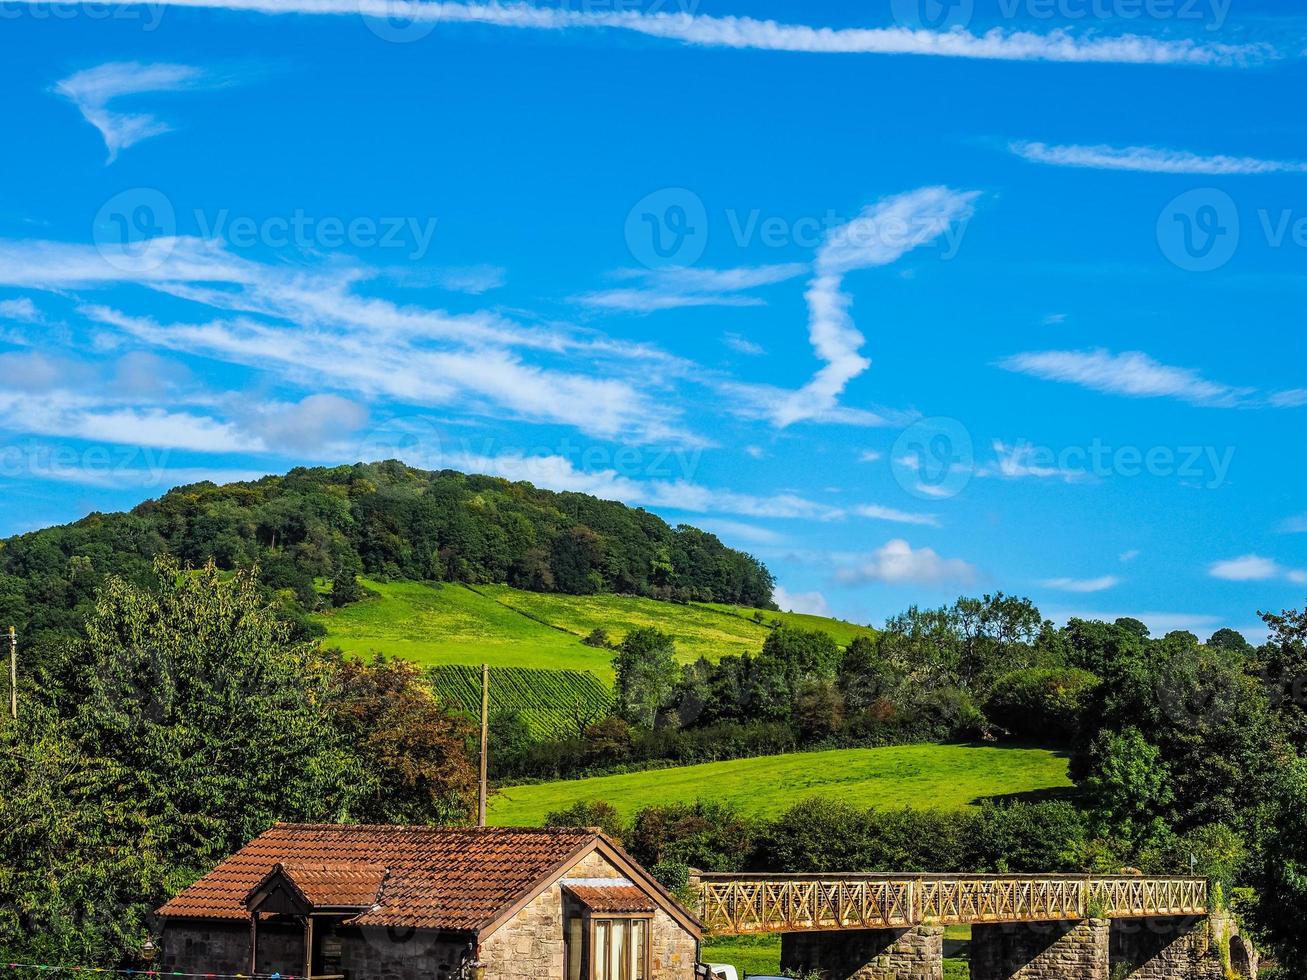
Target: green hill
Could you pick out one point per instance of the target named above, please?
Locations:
(941, 776)
(507, 627)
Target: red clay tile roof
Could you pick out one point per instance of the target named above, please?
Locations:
(335, 884)
(436, 878)
(611, 898)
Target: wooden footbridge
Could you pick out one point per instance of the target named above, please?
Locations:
(745, 903)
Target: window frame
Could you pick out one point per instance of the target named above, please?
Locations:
(589, 923)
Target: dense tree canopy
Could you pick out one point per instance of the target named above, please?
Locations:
(184, 722)
(380, 519)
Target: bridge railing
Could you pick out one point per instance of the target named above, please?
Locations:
(798, 903)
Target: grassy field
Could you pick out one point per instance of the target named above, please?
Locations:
(843, 631)
(942, 776)
(506, 627)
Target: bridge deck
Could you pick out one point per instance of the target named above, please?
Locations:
(742, 903)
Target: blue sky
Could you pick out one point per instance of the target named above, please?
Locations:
(909, 299)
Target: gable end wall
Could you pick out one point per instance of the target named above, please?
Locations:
(530, 945)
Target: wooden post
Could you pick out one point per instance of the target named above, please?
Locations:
(254, 943)
(13, 673)
(485, 742)
(308, 946)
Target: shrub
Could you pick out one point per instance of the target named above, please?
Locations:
(1042, 704)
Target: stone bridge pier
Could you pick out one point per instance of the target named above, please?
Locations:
(867, 954)
(1161, 948)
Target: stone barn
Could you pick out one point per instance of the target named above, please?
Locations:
(337, 902)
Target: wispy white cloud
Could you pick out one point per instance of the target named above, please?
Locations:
(1129, 555)
(1131, 373)
(768, 35)
(1100, 584)
(93, 89)
(739, 531)
(897, 562)
(878, 513)
(1024, 460)
(472, 279)
(314, 327)
(870, 456)
(75, 415)
(1254, 568)
(22, 309)
(1149, 159)
(1297, 524)
(743, 345)
(651, 301)
(676, 287)
(883, 233)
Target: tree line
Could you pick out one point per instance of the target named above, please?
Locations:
(388, 520)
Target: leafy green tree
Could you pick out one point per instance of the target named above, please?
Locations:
(410, 763)
(589, 813)
(802, 654)
(1042, 704)
(1228, 639)
(818, 708)
(1282, 882)
(708, 834)
(647, 673)
(1129, 785)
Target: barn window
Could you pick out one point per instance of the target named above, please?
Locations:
(607, 932)
(620, 949)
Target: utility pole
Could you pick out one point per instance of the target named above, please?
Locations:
(13, 673)
(485, 742)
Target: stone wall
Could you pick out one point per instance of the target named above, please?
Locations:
(867, 954)
(377, 953)
(1041, 951)
(205, 947)
(1179, 949)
